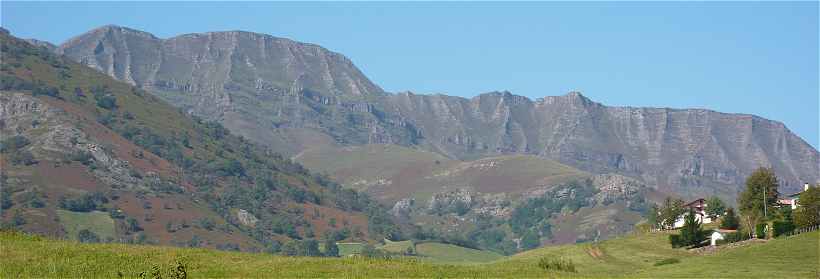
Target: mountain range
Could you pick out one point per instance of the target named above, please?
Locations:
(229, 119)
(294, 96)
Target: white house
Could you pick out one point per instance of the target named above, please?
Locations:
(792, 200)
(699, 207)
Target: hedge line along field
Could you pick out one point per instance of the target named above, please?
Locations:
(630, 256)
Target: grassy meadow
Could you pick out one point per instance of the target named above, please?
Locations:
(627, 257)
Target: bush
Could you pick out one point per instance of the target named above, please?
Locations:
(132, 225)
(84, 157)
(735, 237)
(173, 271)
(46, 90)
(84, 203)
(13, 143)
(87, 236)
(782, 227)
(729, 221)
(106, 101)
(760, 230)
(22, 157)
(667, 261)
(675, 240)
(556, 264)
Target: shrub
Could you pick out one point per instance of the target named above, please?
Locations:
(735, 237)
(132, 225)
(87, 236)
(565, 265)
(760, 230)
(176, 270)
(46, 90)
(667, 261)
(84, 203)
(675, 240)
(84, 157)
(782, 227)
(106, 101)
(13, 143)
(22, 157)
(730, 221)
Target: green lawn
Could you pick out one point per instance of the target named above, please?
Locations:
(396, 246)
(97, 222)
(349, 248)
(452, 254)
(779, 258)
(627, 257)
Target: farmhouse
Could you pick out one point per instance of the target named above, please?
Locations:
(699, 207)
(792, 200)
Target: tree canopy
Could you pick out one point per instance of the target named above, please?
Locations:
(808, 213)
(715, 206)
(759, 197)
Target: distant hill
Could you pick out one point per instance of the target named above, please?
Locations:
(491, 201)
(294, 96)
(87, 157)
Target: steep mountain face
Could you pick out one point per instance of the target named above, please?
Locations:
(272, 90)
(87, 157)
(292, 96)
(691, 152)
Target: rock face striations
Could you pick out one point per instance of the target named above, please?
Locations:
(292, 96)
(255, 84)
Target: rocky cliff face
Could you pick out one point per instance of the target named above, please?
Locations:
(257, 85)
(292, 95)
(691, 151)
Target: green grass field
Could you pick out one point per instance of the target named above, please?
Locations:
(95, 221)
(451, 254)
(626, 257)
(349, 248)
(396, 246)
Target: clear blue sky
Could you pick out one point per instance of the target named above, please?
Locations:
(757, 58)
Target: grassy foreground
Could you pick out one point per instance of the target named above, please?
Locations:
(630, 256)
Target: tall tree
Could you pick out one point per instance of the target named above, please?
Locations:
(759, 197)
(808, 213)
(715, 206)
(691, 234)
(652, 217)
(671, 210)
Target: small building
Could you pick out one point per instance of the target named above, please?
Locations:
(792, 200)
(719, 235)
(699, 207)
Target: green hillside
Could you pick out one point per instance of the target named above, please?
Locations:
(435, 252)
(96, 147)
(628, 257)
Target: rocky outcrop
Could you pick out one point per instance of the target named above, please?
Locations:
(55, 137)
(246, 218)
(403, 208)
(458, 201)
(43, 44)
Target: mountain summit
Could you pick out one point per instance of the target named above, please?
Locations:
(294, 96)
